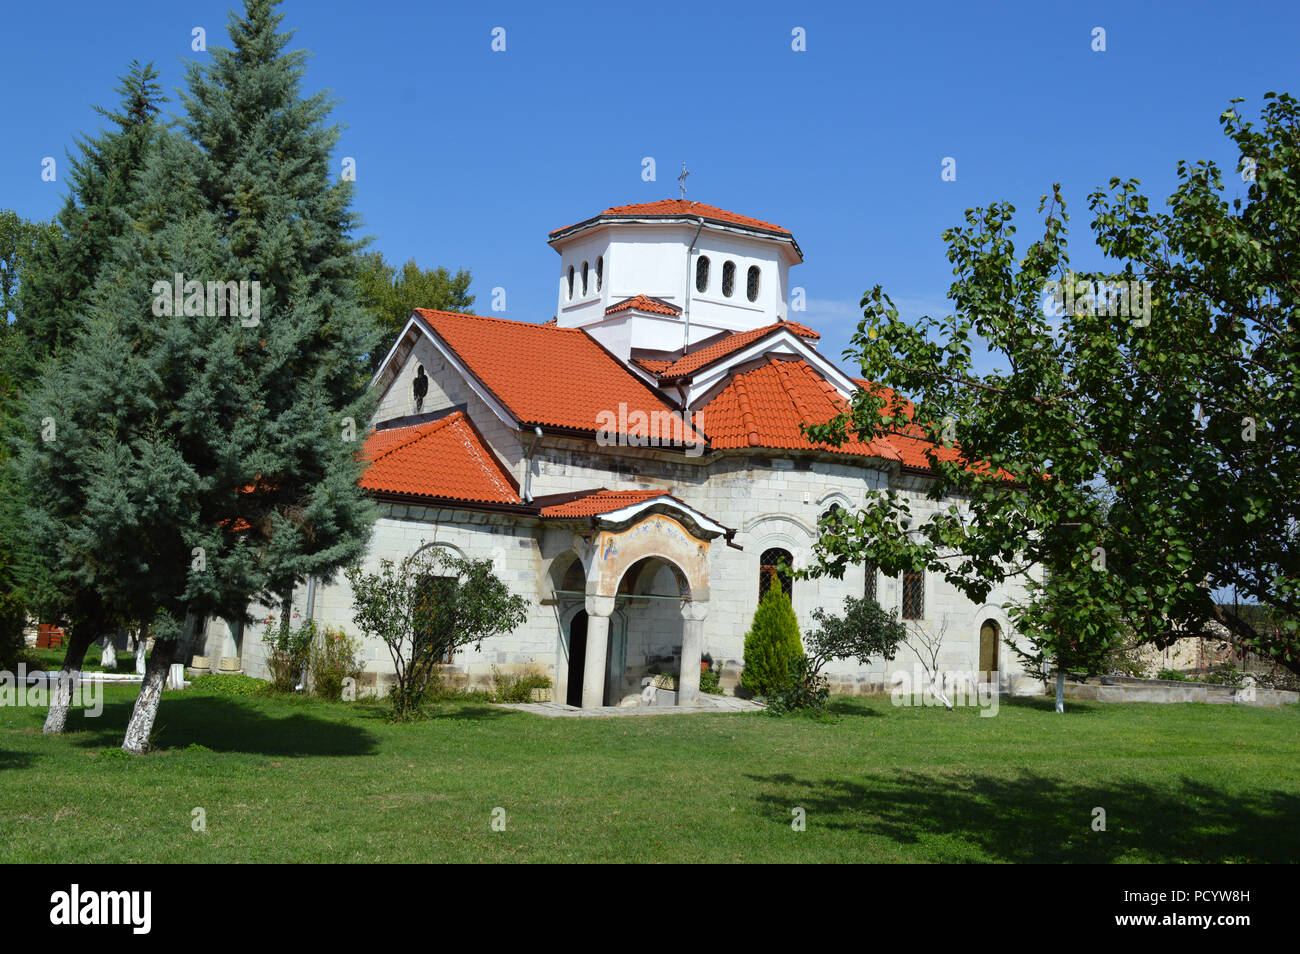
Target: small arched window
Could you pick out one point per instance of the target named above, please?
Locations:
(702, 273)
(728, 278)
(751, 285)
(584, 279)
(600, 271)
(570, 282)
(775, 564)
(869, 573)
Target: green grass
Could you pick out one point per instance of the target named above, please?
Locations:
(302, 780)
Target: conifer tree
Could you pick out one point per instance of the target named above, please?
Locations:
(772, 644)
(53, 296)
(278, 453)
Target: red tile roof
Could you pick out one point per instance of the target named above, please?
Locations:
(599, 501)
(656, 306)
(764, 407)
(679, 208)
(558, 377)
(444, 459)
(695, 360)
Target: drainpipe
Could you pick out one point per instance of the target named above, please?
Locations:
(528, 466)
(686, 302)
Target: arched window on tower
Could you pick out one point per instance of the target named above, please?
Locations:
(751, 286)
(702, 274)
(570, 283)
(600, 271)
(584, 279)
(775, 564)
(728, 279)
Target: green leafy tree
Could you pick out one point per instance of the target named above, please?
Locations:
(1134, 452)
(863, 632)
(424, 609)
(391, 293)
(772, 644)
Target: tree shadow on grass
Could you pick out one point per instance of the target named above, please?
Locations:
(1035, 818)
(1048, 704)
(848, 706)
(15, 760)
(225, 725)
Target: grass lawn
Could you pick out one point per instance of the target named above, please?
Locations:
(303, 780)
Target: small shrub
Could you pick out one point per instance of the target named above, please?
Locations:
(506, 688)
(806, 691)
(1173, 674)
(1229, 675)
(335, 657)
(772, 643)
(288, 652)
(234, 684)
(710, 682)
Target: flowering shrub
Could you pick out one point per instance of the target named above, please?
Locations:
(335, 657)
(287, 652)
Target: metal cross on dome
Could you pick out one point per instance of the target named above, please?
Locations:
(681, 181)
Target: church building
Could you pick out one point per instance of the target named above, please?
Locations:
(635, 468)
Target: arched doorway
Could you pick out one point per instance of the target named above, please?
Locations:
(577, 654)
(990, 636)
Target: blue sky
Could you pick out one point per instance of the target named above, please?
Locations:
(468, 157)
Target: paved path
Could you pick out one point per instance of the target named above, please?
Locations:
(707, 704)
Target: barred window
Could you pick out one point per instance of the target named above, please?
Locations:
(869, 582)
(775, 564)
(728, 278)
(702, 273)
(914, 594)
(751, 289)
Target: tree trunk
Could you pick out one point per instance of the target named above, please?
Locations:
(1060, 690)
(136, 740)
(86, 622)
(109, 657)
(141, 647)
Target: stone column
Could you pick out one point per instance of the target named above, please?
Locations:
(688, 681)
(599, 609)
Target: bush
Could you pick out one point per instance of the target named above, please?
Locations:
(1173, 674)
(234, 684)
(710, 682)
(506, 688)
(288, 652)
(335, 657)
(1229, 675)
(807, 690)
(772, 644)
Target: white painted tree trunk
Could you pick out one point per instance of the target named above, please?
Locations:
(108, 658)
(1060, 690)
(56, 717)
(141, 643)
(136, 739)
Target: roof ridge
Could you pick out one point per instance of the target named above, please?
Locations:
(746, 413)
(785, 374)
(492, 467)
(420, 432)
(545, 325)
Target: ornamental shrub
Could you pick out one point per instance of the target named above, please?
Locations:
(335, 658)
(772, 643)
